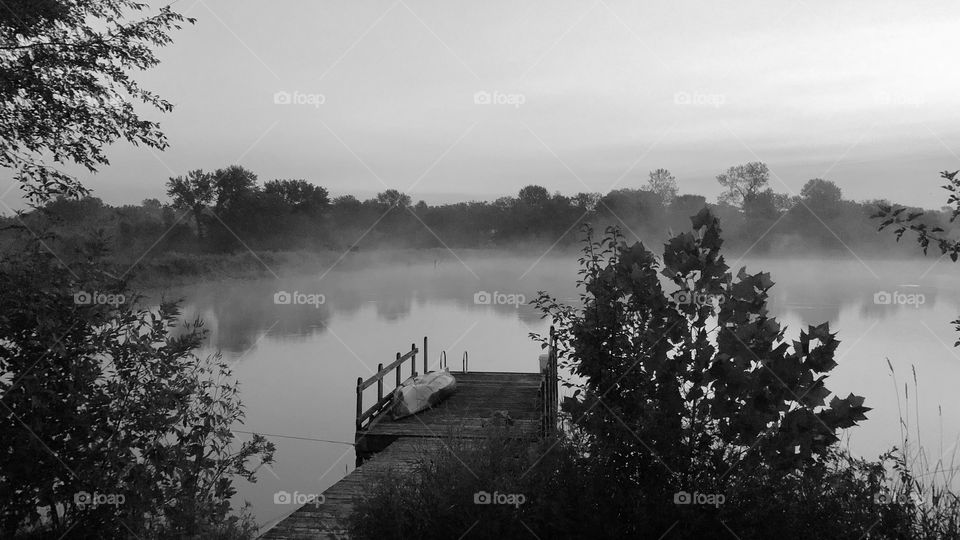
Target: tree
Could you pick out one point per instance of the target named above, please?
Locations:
(688, 205)
(101, 396)
(347, 203)
(300, 195)
(193, 192)
(392, 198)
(533, 196)
(66, 86)
(631, 207)
(152, 204)
(822, 197)
(762, 205)
(586, 201)
(743, 181)
(663, 184)
(232, 185)
(663, 398)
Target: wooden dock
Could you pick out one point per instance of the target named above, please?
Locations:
(530, 400)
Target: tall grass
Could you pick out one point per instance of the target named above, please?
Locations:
(927, 486)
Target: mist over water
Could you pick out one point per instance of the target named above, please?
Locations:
(298, 362)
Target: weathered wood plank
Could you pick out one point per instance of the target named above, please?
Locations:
(418, 437)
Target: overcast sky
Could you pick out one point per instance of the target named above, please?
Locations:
(584, 96)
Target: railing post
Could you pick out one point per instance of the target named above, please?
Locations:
(379, 383)
(425, 355)
(359, 400)
(553, 390)
(413, 360)
(398, 372)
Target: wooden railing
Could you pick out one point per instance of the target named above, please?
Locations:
(549, 394)
(384, 400)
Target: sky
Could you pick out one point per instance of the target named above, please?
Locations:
(449, 100)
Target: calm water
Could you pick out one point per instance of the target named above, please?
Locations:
(298, 363)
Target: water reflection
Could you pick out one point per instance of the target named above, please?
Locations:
(297, 362)
(809, 291)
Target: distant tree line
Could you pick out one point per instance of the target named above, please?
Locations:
(228, 210)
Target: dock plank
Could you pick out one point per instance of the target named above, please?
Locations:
(412, 439)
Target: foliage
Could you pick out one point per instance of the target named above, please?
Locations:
(437, 498)
(743, 181)
(66, 88)
(902, 219)
(392, 198)
(193, 192)
(300, 195)
(927, 229)
(297, 214)
(663, 184)
(102, 397)
(648, 355)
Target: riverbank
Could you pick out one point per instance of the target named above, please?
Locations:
(174, 268)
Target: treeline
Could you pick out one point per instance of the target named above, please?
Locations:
(229, 210)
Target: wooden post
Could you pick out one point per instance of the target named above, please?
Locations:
(552, 381)
(359, 400)
(425, 355)
(413, 360)
(398, 372)
(379, 383)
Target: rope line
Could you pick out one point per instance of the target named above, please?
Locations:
(294, 437)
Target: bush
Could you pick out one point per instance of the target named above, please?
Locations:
(111, 426)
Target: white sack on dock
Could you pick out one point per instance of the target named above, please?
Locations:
(422, 392)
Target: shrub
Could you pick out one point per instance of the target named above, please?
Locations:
(102, 402)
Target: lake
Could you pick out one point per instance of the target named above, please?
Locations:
(298, 362)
